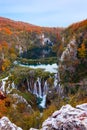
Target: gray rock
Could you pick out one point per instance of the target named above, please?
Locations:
(5, 124)
(67, 118)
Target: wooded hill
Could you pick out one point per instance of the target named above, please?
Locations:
(19, 39)
(74, 45)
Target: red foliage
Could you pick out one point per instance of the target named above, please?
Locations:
(20, 26)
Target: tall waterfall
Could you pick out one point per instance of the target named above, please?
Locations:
(41, 91)
(38, 90)
(45, 90)
(35, 90)
(3, 84)
(55, 80)
(43, 103)
(39, 87)
(28, 85)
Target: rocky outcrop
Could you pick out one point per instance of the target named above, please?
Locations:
(67, 118)
(18, 100)
(5, 124)
(70, 52)
(68, 61)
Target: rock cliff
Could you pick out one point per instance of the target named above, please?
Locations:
(67, 118)
(5, 124)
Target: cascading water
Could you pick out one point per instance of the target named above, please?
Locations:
(55, 80)
(28, 85)
(43, 102)
(3, 84)
(41, 93)
(35, 90)
(13, 85)
(45, 89)
(39, 86)
(41, 90)
(57, 84)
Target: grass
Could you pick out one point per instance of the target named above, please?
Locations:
(49, 60)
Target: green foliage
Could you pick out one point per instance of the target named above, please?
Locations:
(48, 112)
(49, 60)
(18, 74)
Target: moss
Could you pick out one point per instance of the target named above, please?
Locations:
(49, 60)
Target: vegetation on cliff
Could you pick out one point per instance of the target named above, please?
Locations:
(24, 43)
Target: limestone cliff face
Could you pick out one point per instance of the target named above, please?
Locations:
(67, 118)
(6, 124)
(68, 61)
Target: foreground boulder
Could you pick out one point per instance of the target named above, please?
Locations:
(5, 124)
(67, 118)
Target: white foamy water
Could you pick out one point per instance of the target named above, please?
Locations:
(51, 68)
(43, 102)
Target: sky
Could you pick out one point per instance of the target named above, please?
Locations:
(51, 13)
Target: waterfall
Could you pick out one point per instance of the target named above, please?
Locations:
(28, 85)
(13, 85)
(3, 84)
(35, 90)
(45, 89)
(43, 103)
(39, 87)
(55, 80)
(57, 84)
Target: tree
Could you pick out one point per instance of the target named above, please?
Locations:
(82, 51)
(6, 63)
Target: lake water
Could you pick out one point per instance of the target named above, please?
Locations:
(51, 68)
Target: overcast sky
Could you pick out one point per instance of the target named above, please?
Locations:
(55, 13)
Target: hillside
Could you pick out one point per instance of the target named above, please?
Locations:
(19, 39)
(72, 52)
(29, 96)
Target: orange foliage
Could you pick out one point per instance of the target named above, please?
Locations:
(5, 44)
(76, 26)
(3, 108)
(20, 26)
(11, 50)
(82, 51)
(5, 65)
(7, 30)
(0, 47)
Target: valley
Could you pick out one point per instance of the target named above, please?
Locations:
(41, 70)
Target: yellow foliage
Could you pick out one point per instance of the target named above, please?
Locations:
(82, 51)
(13, 56)
(6, 64)
(48, 112)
